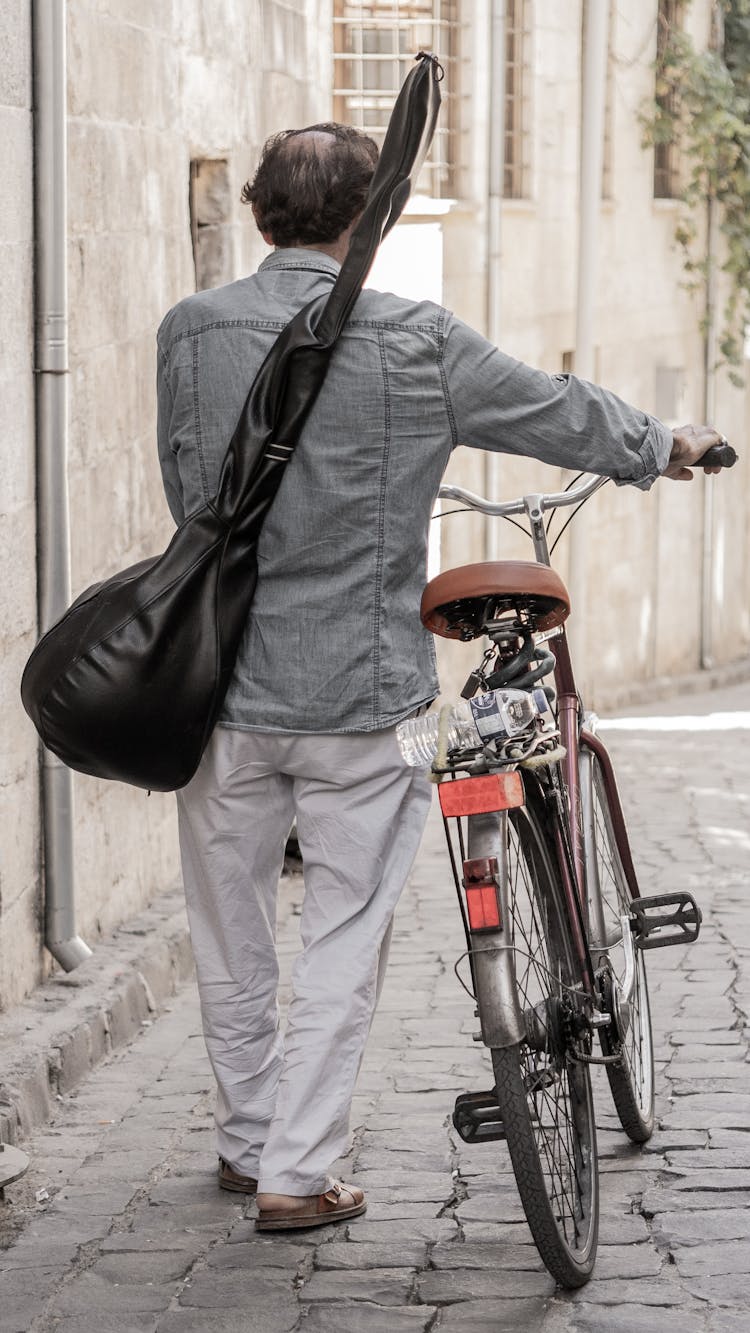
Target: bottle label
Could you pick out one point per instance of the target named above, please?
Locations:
(502, 713)
(488, 720)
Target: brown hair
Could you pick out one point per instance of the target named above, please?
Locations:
(311, 184)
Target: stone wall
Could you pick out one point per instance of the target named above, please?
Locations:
(19, 787)
(169, 103)
(153, 87)
(639, 604)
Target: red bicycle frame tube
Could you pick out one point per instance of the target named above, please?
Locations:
(591, 742)
(567, 717)
(568, 710)
(573, 737)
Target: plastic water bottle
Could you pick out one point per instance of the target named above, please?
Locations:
(495, 715)
(418, 736)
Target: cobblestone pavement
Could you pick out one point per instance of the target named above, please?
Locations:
(119, 1225)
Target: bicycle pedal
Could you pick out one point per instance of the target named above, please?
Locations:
(540, 1080)
(476, 1116)
(656, 928)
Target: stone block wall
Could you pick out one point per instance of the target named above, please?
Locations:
(19, 787)
(639, 605)
(169, 102)
(153, 86)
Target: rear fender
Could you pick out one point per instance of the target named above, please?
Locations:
(500, 1014)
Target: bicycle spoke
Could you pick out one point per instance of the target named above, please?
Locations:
(631, 1079)
(542, 980)
(564, 1145)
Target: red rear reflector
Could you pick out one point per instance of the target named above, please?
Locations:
(482, 907)
(482, 903)
(479, 796)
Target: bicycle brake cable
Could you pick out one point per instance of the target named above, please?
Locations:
(520, 526)
(569, 519)
(567, 488)
(466, 954)
(576, 1054)
(522, 953)
(468, 509)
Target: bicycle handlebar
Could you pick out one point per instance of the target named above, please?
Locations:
(557, 500)
(719, 455)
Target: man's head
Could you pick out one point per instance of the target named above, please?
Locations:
(311, 184)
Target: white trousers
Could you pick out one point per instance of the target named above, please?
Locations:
(283, 1102)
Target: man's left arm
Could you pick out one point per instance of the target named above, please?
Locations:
(504, 405)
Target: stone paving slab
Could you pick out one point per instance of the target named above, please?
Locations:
(364, 1317)
(119, 1226)
(494, 1316)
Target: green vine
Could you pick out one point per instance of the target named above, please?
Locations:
(701, 104)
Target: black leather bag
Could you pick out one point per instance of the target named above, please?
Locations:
(128, 684)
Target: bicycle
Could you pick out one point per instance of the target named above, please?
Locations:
(556, 928)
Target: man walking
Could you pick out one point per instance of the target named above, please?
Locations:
(333, 655)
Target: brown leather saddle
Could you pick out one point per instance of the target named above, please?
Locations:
(459, 602)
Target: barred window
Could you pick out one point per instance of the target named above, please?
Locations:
(516, 167)
(375, 42)
(666, 165)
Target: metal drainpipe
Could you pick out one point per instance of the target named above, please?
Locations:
(496, 151)
(709, 415)
(709, 396)
(53, 536)
(593, 103)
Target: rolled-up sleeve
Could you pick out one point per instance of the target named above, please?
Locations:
(501, 404)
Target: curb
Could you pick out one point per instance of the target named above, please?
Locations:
(643, 693)
(53, 1040)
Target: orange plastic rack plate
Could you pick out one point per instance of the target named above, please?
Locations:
(479, 796)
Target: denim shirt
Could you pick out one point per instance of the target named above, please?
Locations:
(333, 641)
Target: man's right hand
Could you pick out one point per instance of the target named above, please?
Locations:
(689, 444)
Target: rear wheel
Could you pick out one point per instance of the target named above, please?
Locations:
(543, 1092)
(631, 1076)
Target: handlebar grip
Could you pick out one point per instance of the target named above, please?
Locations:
(719, 455)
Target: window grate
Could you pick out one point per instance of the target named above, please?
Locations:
(375, 42)
(666, 159)
(515, 142)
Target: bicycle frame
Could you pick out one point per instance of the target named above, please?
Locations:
(577, 861)
(551, 908)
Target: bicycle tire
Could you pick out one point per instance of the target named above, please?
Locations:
(544, 1095)
(631, 1078)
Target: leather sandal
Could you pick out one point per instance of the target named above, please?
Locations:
(335, 1204)
(229, 1179)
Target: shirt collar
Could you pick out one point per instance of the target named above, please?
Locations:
(298, 258)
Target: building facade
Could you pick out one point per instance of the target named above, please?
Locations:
(168, 105)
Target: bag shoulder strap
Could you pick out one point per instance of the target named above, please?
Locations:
(292, 374)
